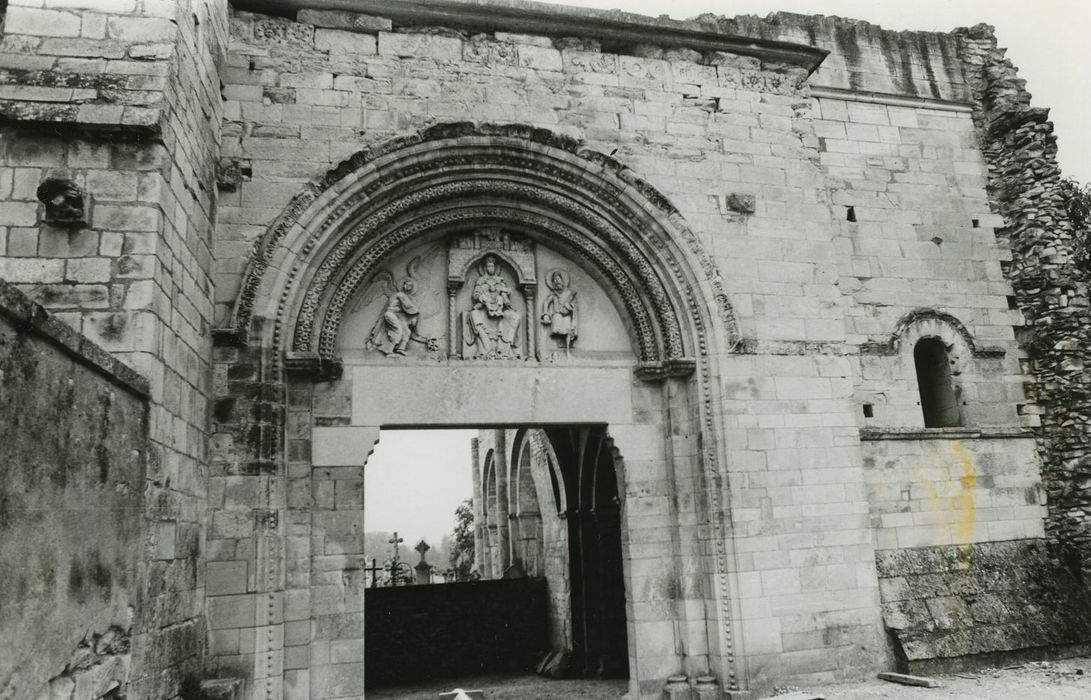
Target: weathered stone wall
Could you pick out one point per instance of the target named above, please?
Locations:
(1050, 289)
(964, 606)
(72, 467)
(864, 213)
(865, 58)
(121, 99)
(952, 489)
(844, 219)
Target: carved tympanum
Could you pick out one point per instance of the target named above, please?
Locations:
(396, 326)
(492, 324)
(560, 312)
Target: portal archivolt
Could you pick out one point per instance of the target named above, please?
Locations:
(460, 178)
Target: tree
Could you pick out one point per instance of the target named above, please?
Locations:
(462, 555)
(1077, 202)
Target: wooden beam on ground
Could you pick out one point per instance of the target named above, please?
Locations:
(460, 694)
(906, 679)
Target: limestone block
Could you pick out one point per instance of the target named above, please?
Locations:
(335, 41)
(439, 48)
(225, 577)
(493, 394)
(351, 21)
(141, 29)
(337, 680)
(22, 242)
(87, 270)
(37, 22)
(26, 270)
(231, 611)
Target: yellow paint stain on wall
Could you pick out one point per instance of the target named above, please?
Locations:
(964, 529)
(954, 508)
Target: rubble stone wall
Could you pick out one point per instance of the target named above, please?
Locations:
(1051, 290)
(72, 466)
(962, 606)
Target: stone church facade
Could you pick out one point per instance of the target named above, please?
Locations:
(807, 284)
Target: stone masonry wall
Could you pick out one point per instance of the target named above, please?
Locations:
(72, 466)
(1050, 289)
(121, 99)
(809, 283)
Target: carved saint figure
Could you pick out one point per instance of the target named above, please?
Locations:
(397, 325)
(492, 324)
(559, 311)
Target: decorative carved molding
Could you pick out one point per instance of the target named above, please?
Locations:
(634, 294)
(616, 27)
(526, 151)
(892, 345)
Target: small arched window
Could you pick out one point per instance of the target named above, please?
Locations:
(939, 403)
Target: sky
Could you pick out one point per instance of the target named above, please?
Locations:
(1046, 39)
(414, 481)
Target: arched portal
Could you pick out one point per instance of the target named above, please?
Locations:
(498, 276)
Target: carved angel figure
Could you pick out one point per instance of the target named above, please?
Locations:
(492, 323)
(559, 311)
(397, 325)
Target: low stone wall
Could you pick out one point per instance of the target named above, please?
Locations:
(450, 630)
(72, 466)
(963, 606)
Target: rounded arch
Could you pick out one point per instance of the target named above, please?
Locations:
(333, 236)
(921, 323)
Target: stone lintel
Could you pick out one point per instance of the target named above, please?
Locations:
(523, 17)
(77, 120)
(877, 434)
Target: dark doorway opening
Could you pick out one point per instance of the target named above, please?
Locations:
(599, 643)
(547, 591)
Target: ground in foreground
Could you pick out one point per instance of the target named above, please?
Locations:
(1060, 680)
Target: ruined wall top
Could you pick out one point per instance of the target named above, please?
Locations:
(617, 31)
(843, 54)
(864, 57)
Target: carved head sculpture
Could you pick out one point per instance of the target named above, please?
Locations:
(490, 265)
(63, 200)
(408, 285)
(557, 282)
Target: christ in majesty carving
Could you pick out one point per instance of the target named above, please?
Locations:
(492, 325)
